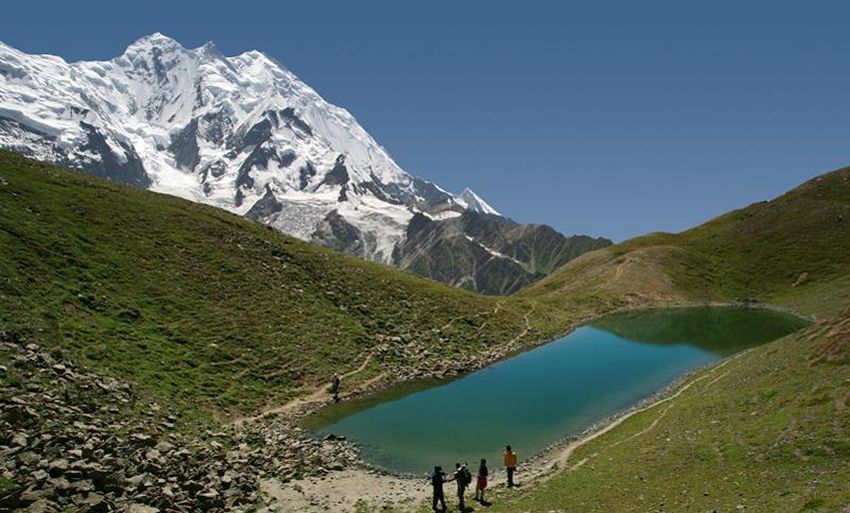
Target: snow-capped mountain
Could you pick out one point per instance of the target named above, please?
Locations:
(471, 201)
(242, 133)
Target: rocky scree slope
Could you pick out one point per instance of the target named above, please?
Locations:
(74, 440)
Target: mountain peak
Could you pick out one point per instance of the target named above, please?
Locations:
(155, 40)
(210, 46)
(210, 50)
(471, 201)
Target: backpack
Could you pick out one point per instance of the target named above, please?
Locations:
(460, 478)
(467, 477)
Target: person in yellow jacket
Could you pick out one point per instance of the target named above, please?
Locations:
(509, 457)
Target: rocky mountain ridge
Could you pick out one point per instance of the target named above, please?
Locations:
(241, 133)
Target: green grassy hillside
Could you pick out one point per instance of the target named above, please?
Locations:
(214, 312)
(792, 250)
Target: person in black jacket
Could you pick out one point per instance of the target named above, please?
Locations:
(437, 480)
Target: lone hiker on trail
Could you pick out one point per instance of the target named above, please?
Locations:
(335, 387)
(437, 480)
(463, 478)
(509, 458)
(481, 483)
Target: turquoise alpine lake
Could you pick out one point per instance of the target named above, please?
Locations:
(538, 397)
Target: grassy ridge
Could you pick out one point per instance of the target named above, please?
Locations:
(215, 312)
(792, 250)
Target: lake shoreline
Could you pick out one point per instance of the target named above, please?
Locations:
(545, 462)
(307, 404)
(542, 465)
(370, 485)
(378, 386)
(541, 462)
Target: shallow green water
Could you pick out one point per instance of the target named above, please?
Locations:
(559, 389)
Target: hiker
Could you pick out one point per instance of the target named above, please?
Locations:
(335, 387)
(509, 457)
(437, 480)
(462, 477)
(481, 483)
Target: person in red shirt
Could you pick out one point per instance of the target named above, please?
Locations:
(481, 483)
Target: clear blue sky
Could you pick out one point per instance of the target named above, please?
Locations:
(608, 118)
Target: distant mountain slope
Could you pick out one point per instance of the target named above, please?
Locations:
(485, 252)
(242, 133)
(794, 250)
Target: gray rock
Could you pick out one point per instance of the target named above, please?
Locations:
(60, 484)
(19, 439)
(28, 458)
(42, 506)
(31, 495)
(58, 467)
(141, 508)
(137, 480)
(85, 485)
(164, 447)
(73, 475)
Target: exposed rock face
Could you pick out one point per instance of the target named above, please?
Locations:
(184, 147)
(485, 252)
(265, 207)
(340, 235)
